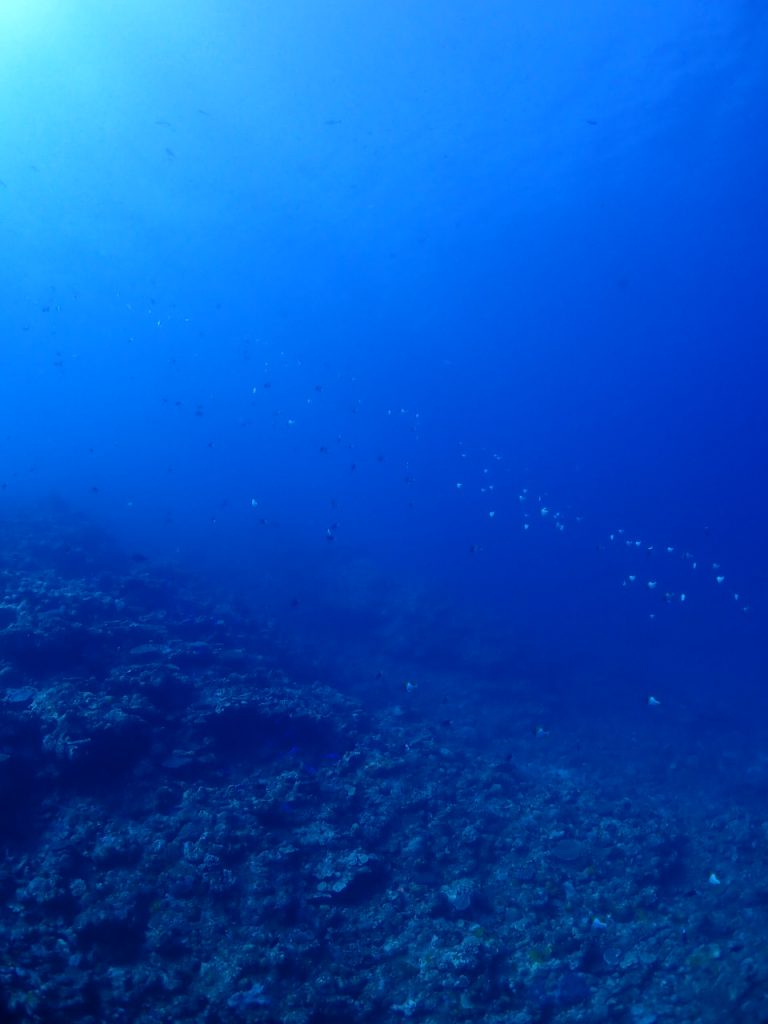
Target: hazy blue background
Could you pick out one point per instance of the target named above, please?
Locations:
(337, 258)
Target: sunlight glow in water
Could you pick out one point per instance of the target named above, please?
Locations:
(22, 21)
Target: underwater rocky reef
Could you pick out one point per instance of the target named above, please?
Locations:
(190, 834)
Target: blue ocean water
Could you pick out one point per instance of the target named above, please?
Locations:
(431, 339)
